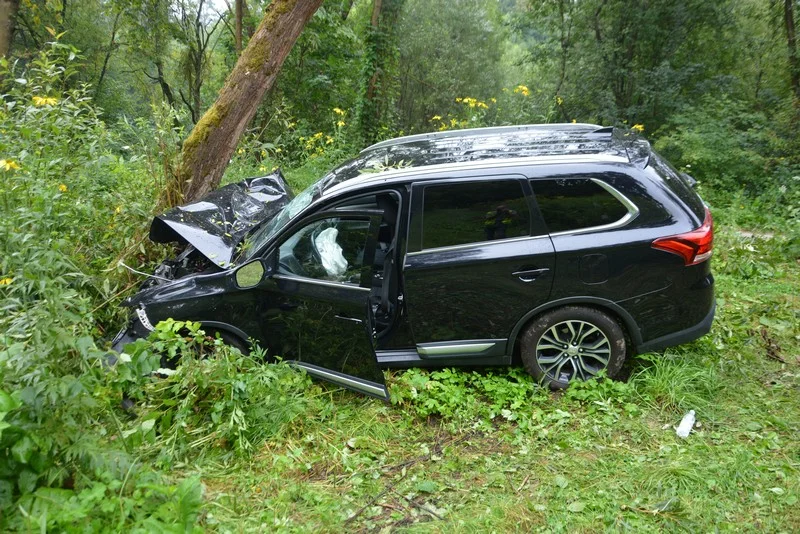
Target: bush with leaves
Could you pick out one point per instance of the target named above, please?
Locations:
(70, 457)
(216, 399)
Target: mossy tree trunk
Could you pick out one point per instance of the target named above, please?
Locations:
(210, 145)
(380, 56)
(8, 12)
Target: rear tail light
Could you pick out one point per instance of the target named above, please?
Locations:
(694, 247)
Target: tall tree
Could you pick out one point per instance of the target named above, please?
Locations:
(381, 52)
(8, 15)
(210, 145)
(195, 33)
(791, 41)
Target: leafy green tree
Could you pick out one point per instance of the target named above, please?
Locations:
(448, 49)
(380, 53)
(211, 143)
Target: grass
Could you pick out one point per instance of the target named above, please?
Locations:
(600, 457)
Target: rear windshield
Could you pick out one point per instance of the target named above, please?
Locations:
(678, 185)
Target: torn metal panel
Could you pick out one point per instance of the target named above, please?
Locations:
(218, 222)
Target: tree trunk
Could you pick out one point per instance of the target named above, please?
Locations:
(239, 16)
(211, 143)
(380, 45)
(110, 50)
(791, 41)
(8, 14)
(376, 17)
(347, 6)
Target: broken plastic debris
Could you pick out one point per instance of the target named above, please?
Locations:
(686, 425)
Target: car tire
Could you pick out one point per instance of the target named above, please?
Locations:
(573, 343)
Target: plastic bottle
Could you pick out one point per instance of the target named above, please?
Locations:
(686, 425)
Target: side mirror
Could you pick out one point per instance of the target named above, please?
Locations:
(249, 275)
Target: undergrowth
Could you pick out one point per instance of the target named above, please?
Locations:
(222, 441)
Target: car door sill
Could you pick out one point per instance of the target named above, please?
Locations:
(357, 384)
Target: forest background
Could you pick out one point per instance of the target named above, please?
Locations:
(97, 97)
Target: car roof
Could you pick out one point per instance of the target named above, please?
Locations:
(477, 147)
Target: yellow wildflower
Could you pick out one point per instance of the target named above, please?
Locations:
(240, 151)
(291, 125)
(522, 89)
(6, 281)
(338, 111)
(482, 105)
(8, 165)
(574, 121)
(62, 188)
(318, 135)
(638, 127)
(559, 100)
(436, 118)
(262, 169)
(493, 100)
(263, 153)
(340, 123)
(118, 210)
(328, 140)
(459, 100)
(40, 101)
(278, 150)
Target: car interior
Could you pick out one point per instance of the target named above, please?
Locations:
(385, 279)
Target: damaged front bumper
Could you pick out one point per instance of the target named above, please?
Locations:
(138, 327)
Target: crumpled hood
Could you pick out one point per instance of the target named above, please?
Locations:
(216, 224)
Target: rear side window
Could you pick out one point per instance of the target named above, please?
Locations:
(678, 185)
(473, 212)
(569, 204)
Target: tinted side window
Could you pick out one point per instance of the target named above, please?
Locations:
(574, 203)
(472, 212)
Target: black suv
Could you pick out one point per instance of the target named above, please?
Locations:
(569, 245)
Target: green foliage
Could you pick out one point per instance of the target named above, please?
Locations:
(468, 397)
(217, 399)
(448, 50)
(724, 145)
(457, 449)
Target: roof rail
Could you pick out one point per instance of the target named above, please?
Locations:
(470, 132)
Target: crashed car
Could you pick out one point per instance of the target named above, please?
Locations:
(569, 247)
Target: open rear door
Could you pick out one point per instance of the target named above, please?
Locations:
(322, 285)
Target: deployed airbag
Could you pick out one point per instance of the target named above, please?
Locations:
(330, 252)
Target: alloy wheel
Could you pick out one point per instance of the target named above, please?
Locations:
(572, 349)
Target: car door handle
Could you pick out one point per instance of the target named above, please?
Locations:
(530, 275)
(346, 318)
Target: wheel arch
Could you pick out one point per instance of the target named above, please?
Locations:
(235, 332)
(615, 310)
